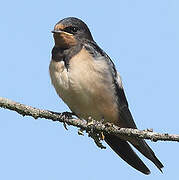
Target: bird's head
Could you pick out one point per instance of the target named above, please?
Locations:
(70, 31)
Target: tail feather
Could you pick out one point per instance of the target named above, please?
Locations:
(144, 148)
(124, 150)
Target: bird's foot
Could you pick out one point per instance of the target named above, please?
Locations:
(66, 115)
(81, 132)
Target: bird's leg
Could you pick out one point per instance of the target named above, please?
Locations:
(66, 115)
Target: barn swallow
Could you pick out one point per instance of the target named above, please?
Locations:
(86, 79)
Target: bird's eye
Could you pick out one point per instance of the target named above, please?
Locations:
(71, 29)
(74, 29)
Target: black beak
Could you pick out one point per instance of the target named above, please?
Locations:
(59, 31)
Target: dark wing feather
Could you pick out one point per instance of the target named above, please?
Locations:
(126, 120)
(122, 148)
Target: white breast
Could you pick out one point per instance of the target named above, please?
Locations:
(60, 79)
(86, 87)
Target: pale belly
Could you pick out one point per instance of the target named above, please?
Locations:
(86, 89)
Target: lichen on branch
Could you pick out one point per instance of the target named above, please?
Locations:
(68, 118)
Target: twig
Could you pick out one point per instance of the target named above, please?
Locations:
(97, 127)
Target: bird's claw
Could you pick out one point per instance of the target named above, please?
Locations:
(65, 126)
(80, 132)
(66, 115)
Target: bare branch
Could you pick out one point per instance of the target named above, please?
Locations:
(68, 118)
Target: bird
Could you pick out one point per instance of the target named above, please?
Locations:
(86, 79)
